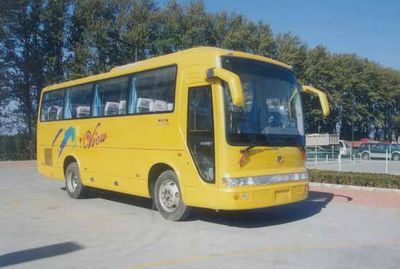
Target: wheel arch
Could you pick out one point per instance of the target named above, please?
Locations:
(156, 170)
(395, 152)
(68, 160)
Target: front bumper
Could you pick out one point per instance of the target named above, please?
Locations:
(252, 197)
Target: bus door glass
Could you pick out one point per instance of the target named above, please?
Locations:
(201, 131)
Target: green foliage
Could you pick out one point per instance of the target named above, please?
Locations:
(31, 50)
(293, 51)
(355, 179)
(14, 148)
(45, 42)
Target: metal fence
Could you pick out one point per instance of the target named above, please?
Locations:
(353, 163)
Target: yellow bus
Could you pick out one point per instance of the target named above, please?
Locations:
(204, 127)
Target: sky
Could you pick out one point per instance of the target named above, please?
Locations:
(368, 28)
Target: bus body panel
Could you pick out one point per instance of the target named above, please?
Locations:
(117, 153)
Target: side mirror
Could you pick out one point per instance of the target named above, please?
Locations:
(322, 98)
(233, 81)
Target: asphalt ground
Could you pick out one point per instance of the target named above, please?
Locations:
(41, 227)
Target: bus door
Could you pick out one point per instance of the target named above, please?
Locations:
(200, 131)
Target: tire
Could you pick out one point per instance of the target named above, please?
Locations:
(73, 183)
(168, 198)
(365, 156)
(396, 157)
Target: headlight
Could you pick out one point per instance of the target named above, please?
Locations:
(262, 180)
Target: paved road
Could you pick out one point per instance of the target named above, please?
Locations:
(369, 166)
(335, 228)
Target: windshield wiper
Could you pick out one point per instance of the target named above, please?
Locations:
(253, 145)
(255, 142)
(246, 152)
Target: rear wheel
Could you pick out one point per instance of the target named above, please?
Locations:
(365, 156)
(396, 157)
(168, 198)
(73, 183)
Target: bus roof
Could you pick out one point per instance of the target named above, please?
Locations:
(207, 53)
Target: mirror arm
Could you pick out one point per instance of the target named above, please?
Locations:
(322, 98)
(233, 81)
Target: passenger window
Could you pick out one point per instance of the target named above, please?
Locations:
(110, 97)
(52, 105)
(201, 131)
(152, 91)
(78, 102)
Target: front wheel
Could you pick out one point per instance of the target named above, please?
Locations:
(73, 183)
(168, 198)
(396, 157)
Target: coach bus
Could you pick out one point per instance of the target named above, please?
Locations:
(203, 127)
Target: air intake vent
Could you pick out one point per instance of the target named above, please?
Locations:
(48, 157)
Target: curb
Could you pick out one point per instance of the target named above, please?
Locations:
(352, 187)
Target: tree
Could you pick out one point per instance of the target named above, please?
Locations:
(90, 49)
(55, 19)
(168, 29)
(197, 26)
(31, 51)
(23, 62)
(319, 73)
(140, 28)
(293, 51)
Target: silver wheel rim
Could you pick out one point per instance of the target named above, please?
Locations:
(169, 195)
(72, 181)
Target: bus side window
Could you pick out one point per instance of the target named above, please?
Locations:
(110, 97)
(152, 91)
(78, 101)
(52, 106)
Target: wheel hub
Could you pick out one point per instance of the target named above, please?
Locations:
(72, 181)
(169, 195)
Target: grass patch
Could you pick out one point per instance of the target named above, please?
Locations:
(356, 179)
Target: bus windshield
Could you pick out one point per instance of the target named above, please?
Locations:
(272, 113)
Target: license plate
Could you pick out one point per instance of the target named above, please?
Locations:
(281, 197)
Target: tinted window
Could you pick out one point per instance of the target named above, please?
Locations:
(152, 91)
(200, 131)
(52, 105)
(272, 111)
(78, 102)
(200, 110)
(363, 147)
(395, 147)
(110, 97)
(380, 146)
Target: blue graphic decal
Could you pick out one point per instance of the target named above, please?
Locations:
(57, 135)
(69, 134)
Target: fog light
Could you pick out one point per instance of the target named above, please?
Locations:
(245, 196)
(236, 196)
